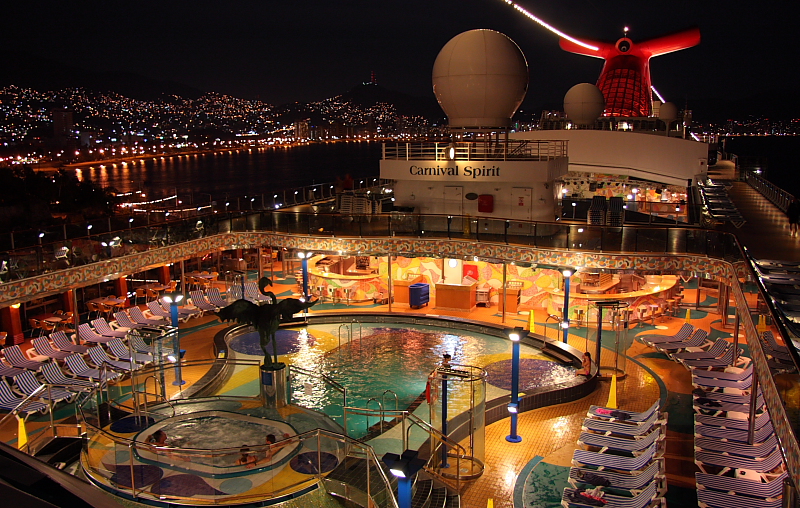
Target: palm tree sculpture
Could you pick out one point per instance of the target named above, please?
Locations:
(265, 318)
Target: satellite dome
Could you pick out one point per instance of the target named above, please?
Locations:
(668, 112)
(584, 103)
(480, 78)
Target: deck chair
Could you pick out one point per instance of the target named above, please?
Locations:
(698, 339)
(199, 301)
(717, 348)
(731, 423)
(715, 499)
(27, 384)
(55, 376)
(235, 292)
(640, 500)
(771, 462)
(622, 444)
(719, 406)
(633, 417)
(752, 451)
(76, 366)
(121, 352)
(772, 348)
(632, 430)
(125, 322)
(684, 333)
(62, 343)
(252, 293)
(770, 489)
(139, 345)
(98, 356)
(10, 402)
(9, 372)
(138, 316)
(741, 436)
(102, 327)
(215, 298)
(626, 481)
(723, 361)
(43, 347)
(14, 357)
(581, 458)
(183, 311)
(86, 334)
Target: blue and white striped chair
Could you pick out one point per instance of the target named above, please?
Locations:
(9, 401)
(77, 366)
(27, 384)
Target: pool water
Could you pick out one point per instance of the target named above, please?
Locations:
(377, 358)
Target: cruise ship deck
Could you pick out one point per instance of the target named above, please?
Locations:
(534, 471)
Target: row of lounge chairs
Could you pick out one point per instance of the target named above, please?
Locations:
(42, 376)
(733, 470)
(690, 347)
(621, 463)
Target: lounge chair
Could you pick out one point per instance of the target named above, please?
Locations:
(11, 402)
(771, 489)
(623, 444)
(776, 351)
(124, 321)
(76, 366)
(121, 352)
(138, 316)
(640, 500)
(715, 499)
(215, 298)
(63, 343)
(771, 462)
(718, 348)
(183, 311)
(624, 429)
(98, 356)
(235, 292)
(43, 347)
(86, 334)
(753, 451)
(27, 384)
(139, 345)
(9, 372)
(698, 339)
(53, 375)
(723, 361)
(581, 458)
(14, 356)
(742, 436)
(252, 293)
(729, 374)
(199, 301)
(633, 417)
(684, 333)
(624, 481)
(731, 423)
(102, 327)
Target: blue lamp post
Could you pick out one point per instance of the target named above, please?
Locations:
(514, 334)
(173, 299)
(403, 467)
(565, 317)
(304, 256)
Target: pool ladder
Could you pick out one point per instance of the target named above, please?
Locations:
(382, 407)
(349, 330)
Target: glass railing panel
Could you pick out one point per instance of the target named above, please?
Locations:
(322, 225)
(613, 239)
(651, 240)
(585, 238)
(552, 236)
(434, 226)
(696, 241)
(512, 232)
(349, 226)
(404, 224)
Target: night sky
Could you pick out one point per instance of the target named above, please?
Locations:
(299, 50)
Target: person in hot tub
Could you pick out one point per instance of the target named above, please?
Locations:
(274, 447)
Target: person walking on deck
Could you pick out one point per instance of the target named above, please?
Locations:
(793, 213)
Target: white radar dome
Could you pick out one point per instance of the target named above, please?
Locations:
(668, 112)
(584, 104)
(480, 78)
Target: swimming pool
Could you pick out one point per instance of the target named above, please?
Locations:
(371, 358)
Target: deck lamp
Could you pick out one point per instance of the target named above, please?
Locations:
(404, 467)
(567, 273)
(173, 299)
(514, 335)
(304, 256)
